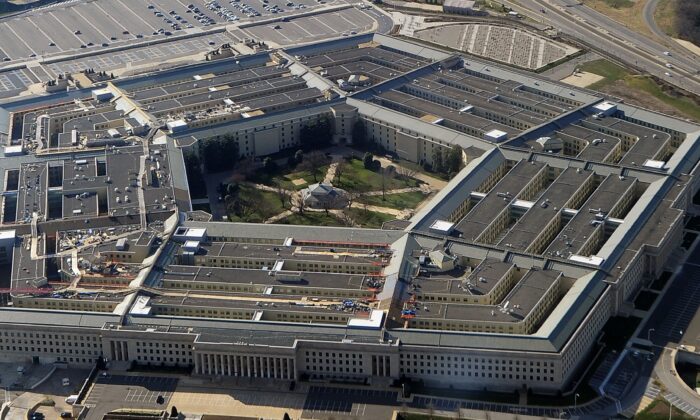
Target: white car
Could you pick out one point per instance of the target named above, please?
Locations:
(669, 65)
(667, 53)
(667, 74)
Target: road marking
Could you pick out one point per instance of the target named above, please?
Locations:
(19, 37)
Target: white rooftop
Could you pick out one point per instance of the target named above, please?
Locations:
(496, 134)
(7, 234)
(604, 106)
(593, 259)
(374, 320)
(442, 226)
(656, 164)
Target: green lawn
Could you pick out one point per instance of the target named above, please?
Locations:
(612, 73)
(681, 103)
(400, 201)
(263, 205)
(285, 175)
(368, 219)
(309, 218)
(617, 4)
(356, 178)
(659, 410)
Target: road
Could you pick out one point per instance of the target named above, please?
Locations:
(665, 370)
(596, 29)
(648, 14)
(384, 21)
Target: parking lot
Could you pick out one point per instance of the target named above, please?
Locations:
(131, 391)
(45, 38)
(241, 398)
(313, 28)
(88, 26)
(151, 54)
(327, 402)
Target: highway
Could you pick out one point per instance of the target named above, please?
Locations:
(604, 34)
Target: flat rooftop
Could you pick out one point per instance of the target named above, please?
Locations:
(581, 227)
(522, 299)
(479, 281)
(299, 253)
(549, 206)
(496, 200)
(265, 278)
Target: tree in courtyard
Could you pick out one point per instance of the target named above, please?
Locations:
(269, 165)
(388, 174)
(316, 134)
(298, 202)
(339, 170)
(453, 160)
(219, 154)
(282, 194)
(359, 134)
(368, 161)
(438, 164)
(313, 163)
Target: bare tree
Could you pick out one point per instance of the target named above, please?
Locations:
(388, 174)
(298, 202)
(339, 170)
(353, 196)
(346, 219)
(406, 173)
(313, 163)
(282, 194)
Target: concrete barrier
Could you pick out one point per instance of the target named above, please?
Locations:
(295, 16)
(687, 356)
(42, 380)
(3, 411)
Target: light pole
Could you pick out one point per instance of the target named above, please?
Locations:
(575, 399)
(649, 334)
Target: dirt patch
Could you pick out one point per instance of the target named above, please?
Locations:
(299, 181)
(582, 79)
(635, 97)
(688, 45)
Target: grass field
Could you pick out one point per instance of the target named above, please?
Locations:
(627, 12)
(610, 71)
(315, 218)
(266, 205)
(409, 200)
(356, 178)
(682, 104)
(285, 175)
(659, 410)
(368, 219)
(665, 16)
(639, 85)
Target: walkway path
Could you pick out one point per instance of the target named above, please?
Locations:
(396, 191)
(330, 173)
(386, 210)
(276, 218)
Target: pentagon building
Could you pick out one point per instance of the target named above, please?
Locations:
(567, 205)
